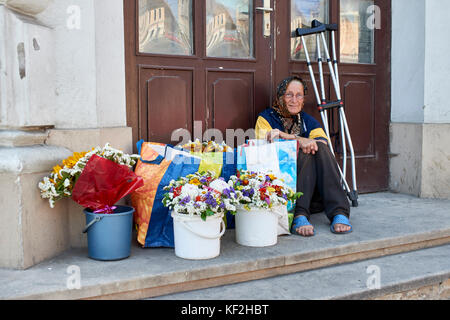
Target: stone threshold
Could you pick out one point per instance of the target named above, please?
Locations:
(384, 224)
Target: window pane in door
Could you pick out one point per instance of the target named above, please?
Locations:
(303, 12)
(165, 27)
(357, 34)
(229, 28)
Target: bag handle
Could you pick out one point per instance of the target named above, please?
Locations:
(157, 160)
(222, 224)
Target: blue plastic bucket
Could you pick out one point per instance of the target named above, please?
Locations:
(109, 235)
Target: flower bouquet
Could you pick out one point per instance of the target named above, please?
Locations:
(262, 201)
(198, 203)
(217, 157)
(200, 194)
(210, 146)
(97, 180)
(261, 190)
(61, 181)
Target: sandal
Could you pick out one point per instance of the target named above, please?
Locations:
(340, 219)
(300, 221)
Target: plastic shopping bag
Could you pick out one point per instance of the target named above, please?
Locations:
(280, 157)
(159, 164)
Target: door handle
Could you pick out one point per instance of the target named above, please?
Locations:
(266, 9)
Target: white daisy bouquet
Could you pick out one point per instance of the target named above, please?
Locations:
(200, 194)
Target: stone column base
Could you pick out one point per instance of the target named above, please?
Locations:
(31, 231)
(420, 159)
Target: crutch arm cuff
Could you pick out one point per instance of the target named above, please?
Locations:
(329, 27)
(307, 31)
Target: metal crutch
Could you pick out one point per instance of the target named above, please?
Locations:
(323, 105)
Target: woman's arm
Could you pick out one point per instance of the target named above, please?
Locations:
(307, 145)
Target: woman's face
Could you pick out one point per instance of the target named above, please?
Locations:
(294, 97)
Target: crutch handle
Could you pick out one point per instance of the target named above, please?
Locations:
(328, 27)
(299, 32)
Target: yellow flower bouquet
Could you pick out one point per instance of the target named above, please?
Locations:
(59, 184)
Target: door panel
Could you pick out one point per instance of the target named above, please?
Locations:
(358, 95)
(168, 93)
(227, 109)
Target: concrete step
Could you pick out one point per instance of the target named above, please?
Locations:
(384, 224)
(418, 275)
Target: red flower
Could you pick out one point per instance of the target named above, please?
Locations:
(262, 193)
(177, 191)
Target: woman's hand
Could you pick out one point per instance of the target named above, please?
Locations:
(276, 134)
(308, 145)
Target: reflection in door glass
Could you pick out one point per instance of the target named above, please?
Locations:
(229, 28)
(165, 27)
(303, 12)
(357, 35)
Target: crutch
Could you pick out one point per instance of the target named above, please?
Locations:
(323, 105)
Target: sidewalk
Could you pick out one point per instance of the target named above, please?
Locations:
(383, 224)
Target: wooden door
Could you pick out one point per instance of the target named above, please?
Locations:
(363, 52)
(209, 62)
(195, 65)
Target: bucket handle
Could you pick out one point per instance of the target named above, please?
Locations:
(222, 224)
(96, 219)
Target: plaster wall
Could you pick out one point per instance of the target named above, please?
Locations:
(420, 111)
(89, 62)
(437, 63)
(408, 61)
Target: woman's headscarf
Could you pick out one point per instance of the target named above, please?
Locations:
(280, 107)
(279, 103)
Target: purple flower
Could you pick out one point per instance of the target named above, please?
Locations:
(185, 200)
(248, 193)
(209, 200)
(227, 192)
(203, 180)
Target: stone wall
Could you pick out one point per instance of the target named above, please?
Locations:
(62, 90)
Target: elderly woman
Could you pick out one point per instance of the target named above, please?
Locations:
(317, 173)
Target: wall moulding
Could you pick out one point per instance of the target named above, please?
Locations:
(28, 7)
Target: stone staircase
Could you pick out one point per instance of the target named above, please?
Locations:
(389, 229)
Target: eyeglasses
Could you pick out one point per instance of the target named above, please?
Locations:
(290, 96)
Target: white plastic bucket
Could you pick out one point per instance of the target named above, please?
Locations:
(196, 239)
(257, 227)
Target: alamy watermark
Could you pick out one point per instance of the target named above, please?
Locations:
(73, 21)
(374, 280)
(73, 281)
(374, 20)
